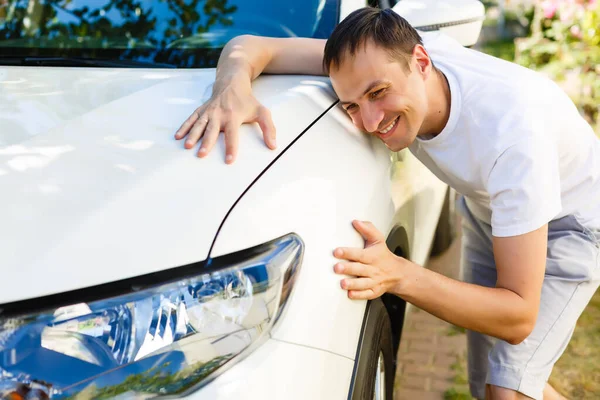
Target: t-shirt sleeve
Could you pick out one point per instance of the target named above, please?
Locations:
(524, 187)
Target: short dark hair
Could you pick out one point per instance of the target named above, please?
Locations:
(385, 28)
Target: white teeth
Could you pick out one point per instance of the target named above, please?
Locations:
(389, 128)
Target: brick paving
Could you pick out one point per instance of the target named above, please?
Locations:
(425, 357)
(428, 348)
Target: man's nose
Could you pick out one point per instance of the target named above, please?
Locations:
(371, 118)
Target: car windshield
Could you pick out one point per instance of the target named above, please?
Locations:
(175, 33)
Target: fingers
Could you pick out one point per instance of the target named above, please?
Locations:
(361, 288)
(211, 134)
(196, 132)
(351, 268)
(368, 231)
(265, 121)
(187, 125)
(357, 283)
(368, 294)
(349, 253)
(206, 123)
(231, 141)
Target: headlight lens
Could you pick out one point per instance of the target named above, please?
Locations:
(162, 340)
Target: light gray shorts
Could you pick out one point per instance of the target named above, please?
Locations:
(572, 276)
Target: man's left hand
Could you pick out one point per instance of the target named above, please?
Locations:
(375, 269)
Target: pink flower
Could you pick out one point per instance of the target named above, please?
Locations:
(576, 31)
(549, 7)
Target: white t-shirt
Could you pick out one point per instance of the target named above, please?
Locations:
(515, 145)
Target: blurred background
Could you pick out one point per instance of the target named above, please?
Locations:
(560, 38)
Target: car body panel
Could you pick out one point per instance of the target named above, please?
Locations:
(294, 373)
(105, 192)
(95, 189)
(412, 182)
(332, 175)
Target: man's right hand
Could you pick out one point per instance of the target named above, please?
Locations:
(226, 110)
(232, 103)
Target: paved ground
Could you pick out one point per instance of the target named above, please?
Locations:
(429, 345)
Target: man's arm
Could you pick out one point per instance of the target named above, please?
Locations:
(507, 311)
(243, 59)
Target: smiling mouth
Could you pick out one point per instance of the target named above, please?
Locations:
(388, 129)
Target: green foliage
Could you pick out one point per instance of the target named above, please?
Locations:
(37, 21)
(457, 394)
(503, 48)
(565, 43)
(460, 382)
(577, 373)
(455, 330)
(160, 379)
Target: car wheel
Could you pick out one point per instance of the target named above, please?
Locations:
(374, 370)
(445, 231)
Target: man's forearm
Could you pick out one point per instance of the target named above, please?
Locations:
(496, 312)
(242, 60)
(245, 57)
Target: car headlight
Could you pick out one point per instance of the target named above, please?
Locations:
(161, 340)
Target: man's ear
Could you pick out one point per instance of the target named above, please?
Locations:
(422, 61)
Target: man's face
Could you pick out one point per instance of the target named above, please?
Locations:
(381, 96)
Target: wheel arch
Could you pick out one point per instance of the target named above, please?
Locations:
(399, 244)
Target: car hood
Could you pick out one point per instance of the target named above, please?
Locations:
(96, 189)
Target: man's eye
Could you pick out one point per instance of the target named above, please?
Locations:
(376, 93)
(351, 107)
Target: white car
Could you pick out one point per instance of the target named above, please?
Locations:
(131, 268)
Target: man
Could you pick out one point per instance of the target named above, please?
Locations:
(504, 137)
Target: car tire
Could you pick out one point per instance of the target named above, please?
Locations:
(375, 360)
(445, 231)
